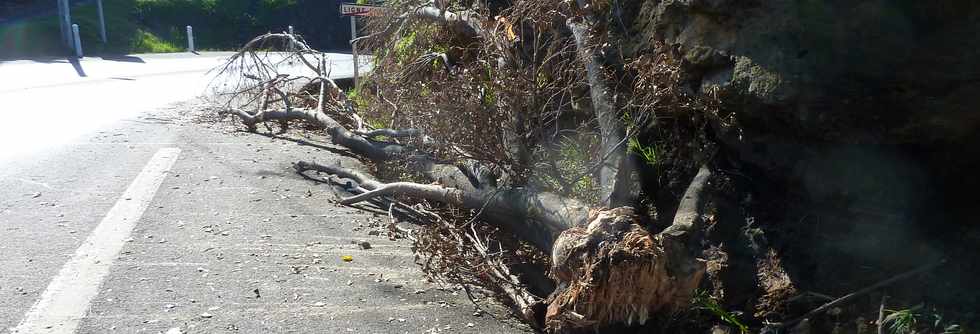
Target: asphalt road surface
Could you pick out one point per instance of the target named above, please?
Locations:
(121, 214)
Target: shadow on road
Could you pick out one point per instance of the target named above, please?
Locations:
(78, 66)
(128, 59)
(304, 142)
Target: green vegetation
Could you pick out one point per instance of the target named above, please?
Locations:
(901, 321)
(646, 152)
(151, 26)
(226, 24)
(705, 302)
(41, 35)
(355, 97)
(911, 320)
(147, 42)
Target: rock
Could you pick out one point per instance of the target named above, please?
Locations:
(861, 71)
(175, 330)
(206, 315)
(364, 244)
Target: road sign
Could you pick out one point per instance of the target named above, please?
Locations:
(349, 9)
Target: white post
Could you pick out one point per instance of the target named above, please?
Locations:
(98, 4)
(190, 39)
(291, 30)
(290, 48)
(353, 35)
(78, 41)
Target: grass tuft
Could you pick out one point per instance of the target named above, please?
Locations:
(147, 42)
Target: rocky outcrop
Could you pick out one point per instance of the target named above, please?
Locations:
(855, 71)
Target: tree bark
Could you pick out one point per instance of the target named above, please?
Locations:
(536, 217)
(614, 178)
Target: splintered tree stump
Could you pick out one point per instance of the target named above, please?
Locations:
(614, 271)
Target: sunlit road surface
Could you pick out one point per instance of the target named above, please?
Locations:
(44, 104)
(119, 218)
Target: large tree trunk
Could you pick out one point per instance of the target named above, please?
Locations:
(614, 178)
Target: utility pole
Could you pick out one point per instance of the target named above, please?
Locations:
(98, 4)
(64, 21)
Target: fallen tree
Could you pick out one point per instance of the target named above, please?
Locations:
(607, 268)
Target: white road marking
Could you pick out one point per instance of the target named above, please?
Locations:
(67, 298)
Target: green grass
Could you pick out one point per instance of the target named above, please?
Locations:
(901, 321)
(647, 152)
(705, 302)
(914, 320)
(147, 42)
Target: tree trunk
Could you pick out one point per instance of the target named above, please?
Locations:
(614, 178)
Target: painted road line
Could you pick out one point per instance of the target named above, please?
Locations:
(67, 298)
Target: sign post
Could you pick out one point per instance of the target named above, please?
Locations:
(353, 46)
(354, 10)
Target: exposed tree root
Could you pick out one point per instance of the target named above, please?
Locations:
(615, 271)
(601, 267)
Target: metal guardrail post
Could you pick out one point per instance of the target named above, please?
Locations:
(190, 39)
(78, 41)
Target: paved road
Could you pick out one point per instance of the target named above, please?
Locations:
(117, 208)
